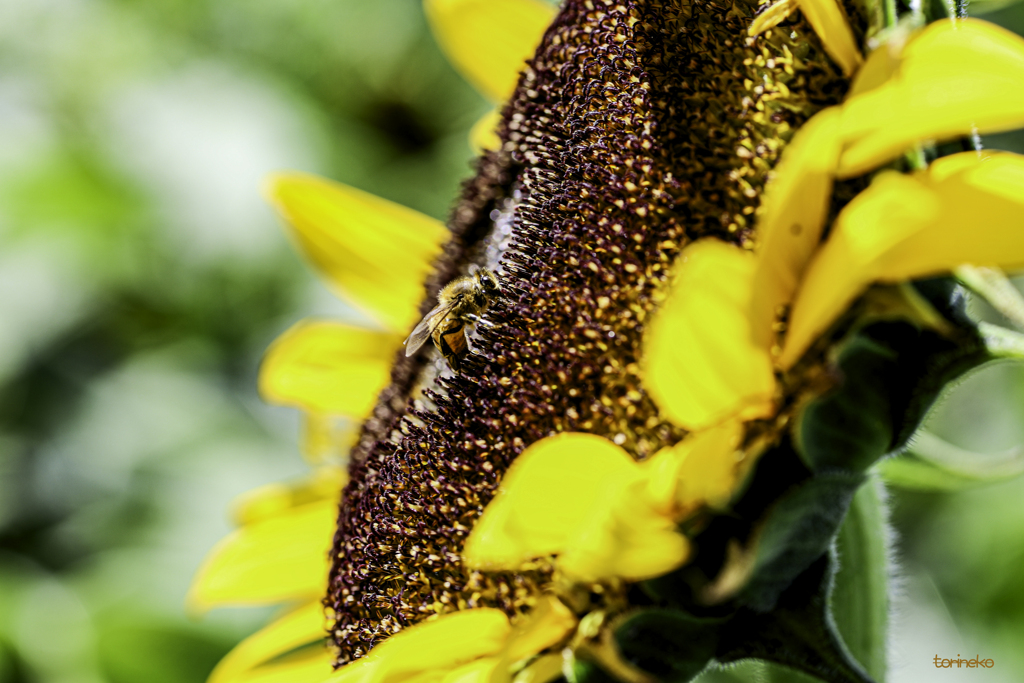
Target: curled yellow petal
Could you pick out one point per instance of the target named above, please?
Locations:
(314, 666)
(796, 205)
(489, 40)
(437, 646)
(545, 496)
(359, 671)
(963, 209)
(711, 466)
(879, 67)
(634, 535)
(629, 536)
(893, 208)
(980, 219)
(954, 78)
(469, 646)
(484, 133)
(301, 627)
(327, 367)
(583, 498)
(324, 437)
(276, 559)
(542, 670)
(829, 21)
(702, 364)
(270, 500)
(548, 623)
(374, 253)
(486, 670)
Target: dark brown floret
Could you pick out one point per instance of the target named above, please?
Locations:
(638, 127)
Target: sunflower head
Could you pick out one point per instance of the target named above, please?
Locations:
(634, 129)
(665, 413)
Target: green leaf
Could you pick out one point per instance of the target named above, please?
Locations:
(779, 674)
(860, 597)
(797, 530)
(935, 464)
(798, 633)
(889, 376)
(754, 671)
(851, 428)
(669, 644)
(587, 671)
(983, 7)
(935, 10)
(746, 671)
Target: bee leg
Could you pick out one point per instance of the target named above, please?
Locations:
(454, 363)
(477, 320)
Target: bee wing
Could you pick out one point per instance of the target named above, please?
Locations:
(422, 332)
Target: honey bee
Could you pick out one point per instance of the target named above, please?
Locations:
(460, 303)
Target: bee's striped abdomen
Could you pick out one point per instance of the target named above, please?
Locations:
(452, 340)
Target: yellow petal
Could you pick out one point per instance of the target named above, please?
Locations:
(359, 671)
(953, 79)
(374, 253)
(662, 474)
(796, 205)
(628, 536)
(701, 362)
(325, 438)
(712, 465)
(962, 210)
(327, 367)
(634, 535)
(489, 40)
(771, 17)
(548, 623)
(879, 67)
(979, 221)
(316, 666)
(543, 499)
(300, 627)
(274, 499)
(273, 560)
(484, 133)
(827, 19)
(440, 645)
(893, 208)
(486, 670)
(542, 670)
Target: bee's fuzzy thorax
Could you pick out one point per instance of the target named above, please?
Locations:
(638, 127)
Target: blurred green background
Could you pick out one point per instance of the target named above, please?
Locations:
(142, 275)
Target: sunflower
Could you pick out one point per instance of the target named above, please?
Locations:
(724, 239)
